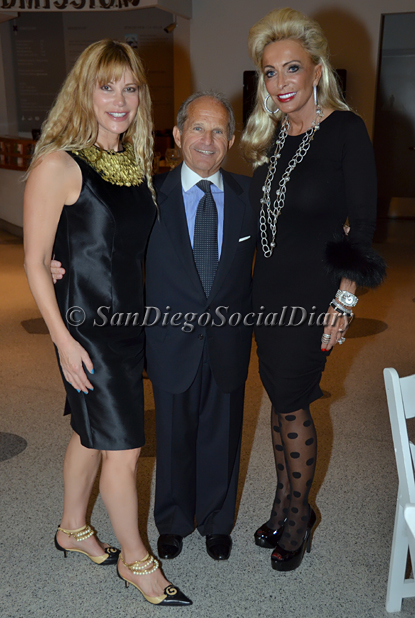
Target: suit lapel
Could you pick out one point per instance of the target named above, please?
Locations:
(173, 217)
(234, 209)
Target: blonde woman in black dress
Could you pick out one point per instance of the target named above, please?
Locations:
(89, 197)
(314, 169)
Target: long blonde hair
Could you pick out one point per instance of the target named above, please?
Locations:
(71, 123)
(278, 25)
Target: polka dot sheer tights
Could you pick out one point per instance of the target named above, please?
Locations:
(295, 449)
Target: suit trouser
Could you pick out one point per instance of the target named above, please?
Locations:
(198, 452)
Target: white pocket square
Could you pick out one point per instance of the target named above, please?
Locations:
(244, 238)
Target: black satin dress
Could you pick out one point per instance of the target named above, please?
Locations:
(101, 241)
(335, 181)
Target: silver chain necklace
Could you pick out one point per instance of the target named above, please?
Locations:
(270, 213)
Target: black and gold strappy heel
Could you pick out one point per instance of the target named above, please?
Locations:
(81, 534)
(172, 595)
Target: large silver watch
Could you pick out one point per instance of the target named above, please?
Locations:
(346, 298)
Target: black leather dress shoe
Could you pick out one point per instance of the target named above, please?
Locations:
(169, 545)
(219, 546)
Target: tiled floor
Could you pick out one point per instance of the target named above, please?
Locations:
(354, 493)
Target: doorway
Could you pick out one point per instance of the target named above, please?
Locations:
(394, 129)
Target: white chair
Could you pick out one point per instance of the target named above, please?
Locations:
(409, 514)
(401, 402)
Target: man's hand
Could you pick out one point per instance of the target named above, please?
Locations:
(56, 270)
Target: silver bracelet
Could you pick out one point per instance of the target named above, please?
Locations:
(347, 298)
(340, 309)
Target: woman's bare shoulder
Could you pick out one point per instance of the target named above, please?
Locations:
(58, 174)
(58, 162)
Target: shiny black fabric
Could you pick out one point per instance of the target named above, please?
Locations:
(101, 241)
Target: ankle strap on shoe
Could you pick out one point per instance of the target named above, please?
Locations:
(80, 534)
(147, 565)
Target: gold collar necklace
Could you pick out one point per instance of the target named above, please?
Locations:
(118, 168)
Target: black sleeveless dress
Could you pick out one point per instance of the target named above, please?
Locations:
(336, 180)
(101, 240)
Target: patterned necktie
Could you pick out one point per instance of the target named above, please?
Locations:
(205, 240)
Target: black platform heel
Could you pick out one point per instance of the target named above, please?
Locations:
(285, 560)
(268, 537)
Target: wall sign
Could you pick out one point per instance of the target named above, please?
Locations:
(68, 5)
(39, 66)
(177, 7)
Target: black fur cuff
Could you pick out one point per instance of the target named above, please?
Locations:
(354, 262)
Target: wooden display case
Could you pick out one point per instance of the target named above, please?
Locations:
(16, 152)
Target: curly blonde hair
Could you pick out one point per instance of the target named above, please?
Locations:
(71, 123)
(278, 25)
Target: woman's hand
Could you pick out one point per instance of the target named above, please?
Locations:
(336, 327)
(337, 324)
(72, 357)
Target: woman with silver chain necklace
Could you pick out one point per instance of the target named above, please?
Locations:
(314, 171)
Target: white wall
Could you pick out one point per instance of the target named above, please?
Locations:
(183, 81)
(219, 31)
(216, 56)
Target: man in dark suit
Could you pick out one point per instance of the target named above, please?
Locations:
(198, 274)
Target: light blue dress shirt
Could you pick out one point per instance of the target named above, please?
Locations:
(192, 196)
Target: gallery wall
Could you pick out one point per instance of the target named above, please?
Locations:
(38, 49)
(210, 51)
(219, 31)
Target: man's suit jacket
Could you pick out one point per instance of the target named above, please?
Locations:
(172, 280)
